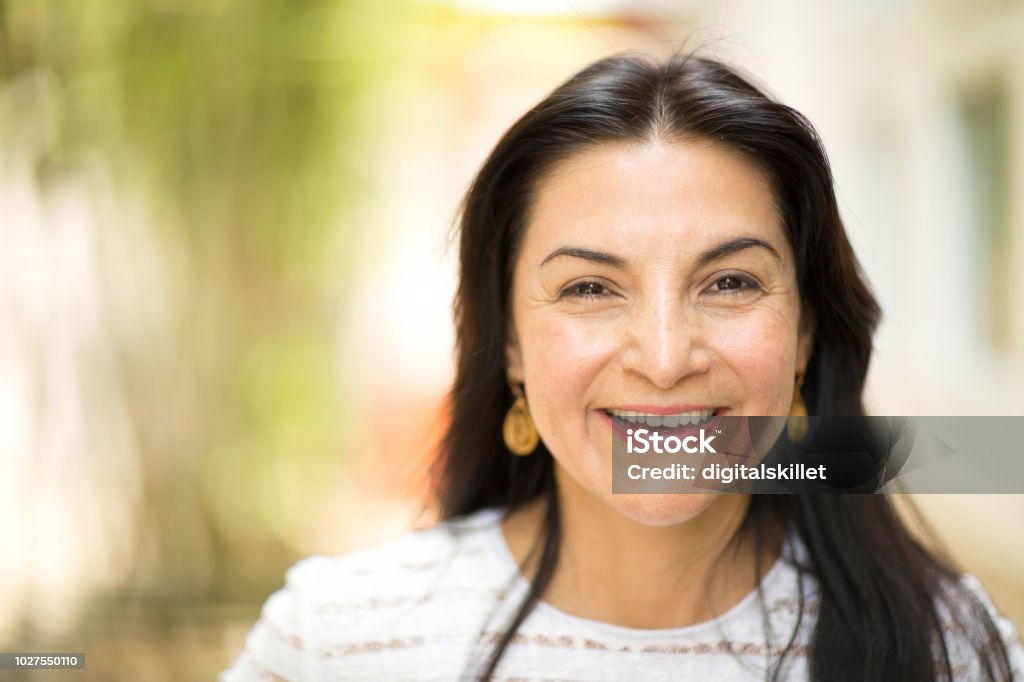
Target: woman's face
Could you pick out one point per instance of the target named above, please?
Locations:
(653, 278)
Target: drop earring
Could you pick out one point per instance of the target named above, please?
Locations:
(520, 434)
(796, 424)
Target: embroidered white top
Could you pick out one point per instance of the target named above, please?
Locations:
(430, 604)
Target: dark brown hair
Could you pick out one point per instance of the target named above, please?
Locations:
(880, 590)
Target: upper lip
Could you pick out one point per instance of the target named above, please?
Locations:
(662, 409)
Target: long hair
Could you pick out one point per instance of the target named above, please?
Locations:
(881, 592)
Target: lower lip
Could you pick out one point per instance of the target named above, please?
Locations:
(619, 429)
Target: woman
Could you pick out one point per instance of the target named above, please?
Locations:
(651, 244)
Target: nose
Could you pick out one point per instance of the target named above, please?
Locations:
(665, 342)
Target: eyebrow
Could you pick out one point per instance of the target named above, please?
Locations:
(585, 254)
(734, 245)
(714, 253)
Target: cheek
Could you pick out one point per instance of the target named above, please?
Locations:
(562, 358)
(565, 349)
(760, 349)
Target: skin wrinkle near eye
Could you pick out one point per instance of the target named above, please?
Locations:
(747, 285)
(741, 262)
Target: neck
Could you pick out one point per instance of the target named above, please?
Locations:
(614, 569)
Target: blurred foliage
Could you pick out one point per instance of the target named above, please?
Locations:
(241, 128)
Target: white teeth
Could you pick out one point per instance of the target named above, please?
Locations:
(669, 420)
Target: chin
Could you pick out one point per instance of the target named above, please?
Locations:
(662, 510)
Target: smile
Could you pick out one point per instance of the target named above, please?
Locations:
(667, 420)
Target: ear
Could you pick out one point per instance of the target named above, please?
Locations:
(513, 357)
(805, 340)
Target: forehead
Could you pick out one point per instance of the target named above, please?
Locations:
(654, 196)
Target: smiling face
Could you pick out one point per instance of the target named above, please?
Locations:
(657, 279)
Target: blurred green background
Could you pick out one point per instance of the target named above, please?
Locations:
(225, 279)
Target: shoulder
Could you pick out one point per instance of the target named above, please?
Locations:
(975, 634)
(415, 558)
(372, 600)
(963, 613)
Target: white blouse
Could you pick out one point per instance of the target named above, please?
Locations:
(425, 606)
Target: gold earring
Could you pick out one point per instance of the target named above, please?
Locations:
(520, 434)
(796, 425)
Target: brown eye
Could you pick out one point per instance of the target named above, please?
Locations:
(730, 283)
(585, 290)
(734, 284)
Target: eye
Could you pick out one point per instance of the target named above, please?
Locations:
(733, 284)
(586, 290)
